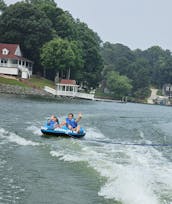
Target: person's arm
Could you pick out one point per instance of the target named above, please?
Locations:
(79, 117)
(63, 123)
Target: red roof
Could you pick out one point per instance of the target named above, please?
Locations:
(68, 81)
(10, 47)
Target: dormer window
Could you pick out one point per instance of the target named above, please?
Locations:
(5, 51)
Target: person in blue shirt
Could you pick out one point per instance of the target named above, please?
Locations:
(72, 123)
(53, 122)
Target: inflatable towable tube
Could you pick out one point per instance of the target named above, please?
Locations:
(63, 131)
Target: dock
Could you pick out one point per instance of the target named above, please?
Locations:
(66, 93)
(77, 95)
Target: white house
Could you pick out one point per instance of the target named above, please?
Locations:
(13, 63)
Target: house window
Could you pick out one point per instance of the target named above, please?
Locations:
(23, 63)
(19, 62)
(14, 61)
(5, 51)
(3, 61)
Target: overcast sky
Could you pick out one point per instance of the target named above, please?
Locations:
(134, 23)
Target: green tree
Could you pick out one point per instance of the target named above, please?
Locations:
(35, 22)
(119, 85)
(65, 26)
(24, 24)
(138, 71)
(132, 64)
(41, 2)
(2, 6)
(62, 21)
(157, 58)
(63, 56)
(51, 10)
(166, 72)
(93, 63)
(117, 54)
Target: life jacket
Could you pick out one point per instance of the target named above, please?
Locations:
(71, 122)
(52, 123)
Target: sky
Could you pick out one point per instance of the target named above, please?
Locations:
(133, 23)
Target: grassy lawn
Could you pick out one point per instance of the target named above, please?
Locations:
(12, 82)
(36, 82)
(100, 94)
(41, 82)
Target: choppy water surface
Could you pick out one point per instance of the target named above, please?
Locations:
(125, 157)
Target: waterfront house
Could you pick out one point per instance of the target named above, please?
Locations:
(167, 90)
(13, 63)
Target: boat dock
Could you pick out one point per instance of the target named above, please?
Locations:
(57, 92)
(77, 95)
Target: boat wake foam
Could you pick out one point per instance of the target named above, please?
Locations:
(12, 137)
(134, 174)
(35, 130)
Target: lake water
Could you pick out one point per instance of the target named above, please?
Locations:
(125, 157)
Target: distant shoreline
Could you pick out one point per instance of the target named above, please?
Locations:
(18, 90)
(35, 92)
(27, 91)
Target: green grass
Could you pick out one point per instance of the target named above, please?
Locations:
(12, 82)
(40, 82)
(35, 82)
(100, 94)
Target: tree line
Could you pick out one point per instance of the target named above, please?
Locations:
(53, 39)
(63, 46)
(138, 69)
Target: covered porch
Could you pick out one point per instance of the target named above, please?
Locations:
(16, 66)
(67, 87)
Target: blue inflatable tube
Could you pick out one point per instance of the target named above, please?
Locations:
(63, 131)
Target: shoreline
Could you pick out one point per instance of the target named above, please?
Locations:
(18, 90)
(35, 92)
(26, 91)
